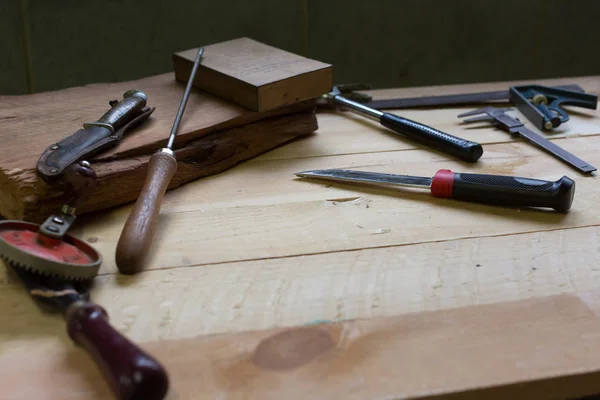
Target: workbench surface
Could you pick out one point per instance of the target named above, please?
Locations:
(257, 248)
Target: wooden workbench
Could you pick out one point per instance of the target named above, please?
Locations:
(263, 285)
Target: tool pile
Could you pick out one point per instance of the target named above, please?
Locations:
(540, 104)
(58, 269)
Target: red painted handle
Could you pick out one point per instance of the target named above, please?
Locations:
(131, 373)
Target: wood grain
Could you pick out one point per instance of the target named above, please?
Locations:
(35, 121)
(255, 75)
(187, 301)
(120, 180)
(136, 238)
(302, 253)
(263, 210)
(542, 348)
(32, 121)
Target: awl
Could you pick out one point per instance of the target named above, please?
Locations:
(491, 189)
(137, 234)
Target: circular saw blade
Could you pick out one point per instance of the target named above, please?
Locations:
(70, 258)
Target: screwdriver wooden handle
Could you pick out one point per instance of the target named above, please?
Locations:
(131, 373)
(137, 234)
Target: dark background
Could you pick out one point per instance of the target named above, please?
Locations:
(53, 44)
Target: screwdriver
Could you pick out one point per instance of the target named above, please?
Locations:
(136, 237)
(491, 189)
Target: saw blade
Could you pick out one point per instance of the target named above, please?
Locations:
(70, 258)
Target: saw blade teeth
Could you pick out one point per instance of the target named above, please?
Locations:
(29, 268)
(34, 270)
(83, 273)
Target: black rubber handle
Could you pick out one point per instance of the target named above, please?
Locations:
(514, 191)
(455, 146)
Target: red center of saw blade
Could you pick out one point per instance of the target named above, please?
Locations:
(61, 251)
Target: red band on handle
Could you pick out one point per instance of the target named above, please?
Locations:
(442, 182)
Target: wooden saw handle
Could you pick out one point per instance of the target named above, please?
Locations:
(136, 237)
(131, 373)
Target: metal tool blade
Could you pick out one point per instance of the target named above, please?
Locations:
(344, 175)
(551, 148)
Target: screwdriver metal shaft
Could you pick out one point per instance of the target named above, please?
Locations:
(184, 101)
(136, 237)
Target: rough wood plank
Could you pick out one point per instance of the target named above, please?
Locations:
(26, 196)
(31, 122)
(222, 135)
(538, 348)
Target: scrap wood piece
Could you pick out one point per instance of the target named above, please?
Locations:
(28, 124)
(26, 196)
(528, 349)
(255, 75)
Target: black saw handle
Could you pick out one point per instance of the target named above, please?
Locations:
(455, 146)
(504, 190)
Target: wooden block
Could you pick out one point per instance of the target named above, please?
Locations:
(214, 135)
(255, 75)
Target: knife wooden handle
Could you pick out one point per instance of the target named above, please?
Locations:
(136, 237)
(131, 373)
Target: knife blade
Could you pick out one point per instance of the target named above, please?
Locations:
(490, 189)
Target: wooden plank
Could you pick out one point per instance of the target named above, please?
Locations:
(245, 215)
(33, 121)
(183, 302)
(190, 297)
(255, 75)
(28, 197)
(538, 348)
(222, 135)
